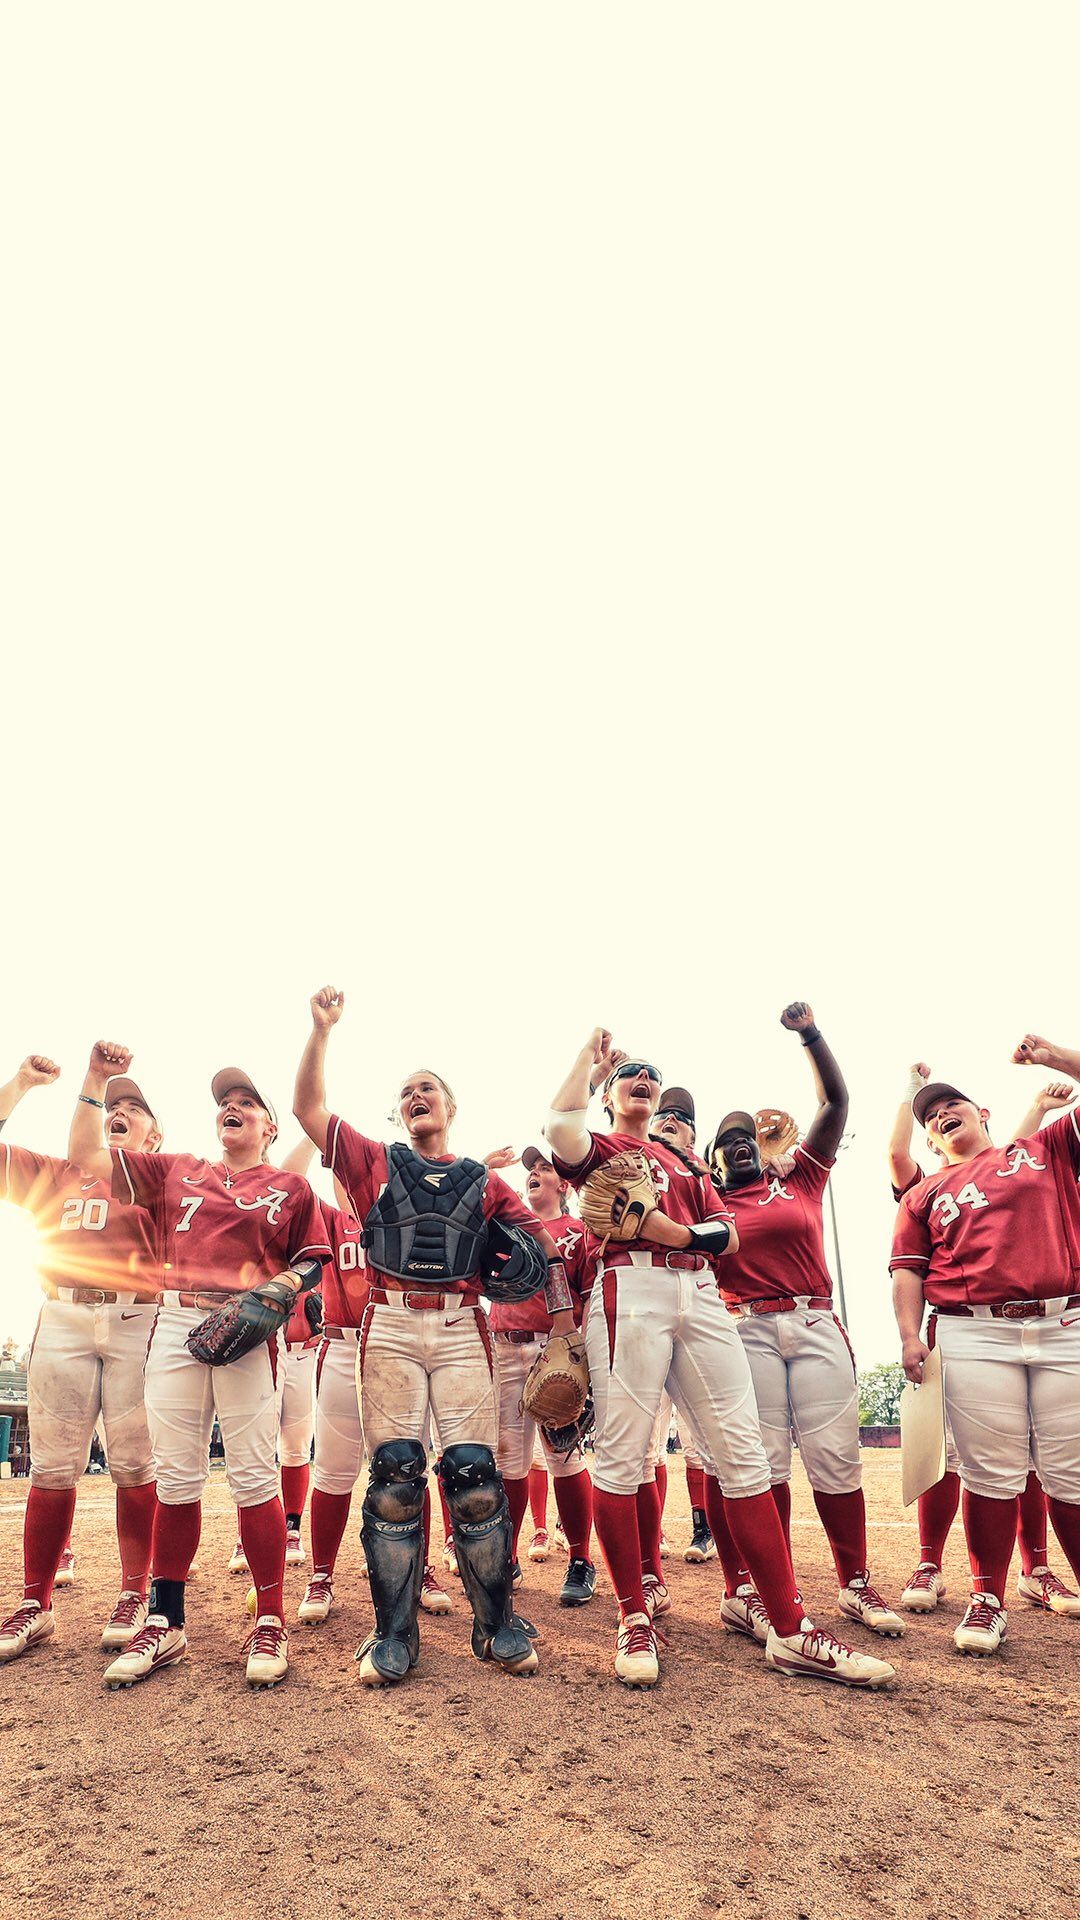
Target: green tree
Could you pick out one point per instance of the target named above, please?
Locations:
(879, 1395)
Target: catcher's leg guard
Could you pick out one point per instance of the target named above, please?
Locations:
(483, 1543)
(393, 1540)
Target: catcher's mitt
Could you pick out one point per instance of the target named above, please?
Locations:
(618, 1197)
(558, 1383)
(571, 1438)
(246, 1321)
(777, 1132)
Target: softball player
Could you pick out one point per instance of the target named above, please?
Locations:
(225, 1225)
(675, 1126)
(777, 1283)
(992, 1243)
(656, 1319)
(100, 1269)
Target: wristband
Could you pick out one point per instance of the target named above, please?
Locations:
(557, 1295)
(914, 1086)
(711, 1237)
(308, 1271)
(809, 1035)
(88, 1098)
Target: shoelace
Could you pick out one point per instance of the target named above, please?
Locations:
(756, 1606)
(146, 1639)
(922, 1579)
(981, 1614)
(21, 1618)
(431, 1585)
(870, 1595)
(818, 1641)
(265, 1639)
(127, 1610)
(577, 1570)
(640, 1638)
(1050, 1583)
(320, 1588)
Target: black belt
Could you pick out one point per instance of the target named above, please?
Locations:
(519, 1336)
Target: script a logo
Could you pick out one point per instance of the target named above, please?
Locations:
(273, 1201)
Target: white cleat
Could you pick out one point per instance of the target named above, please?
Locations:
(560, 1539)
(156, 1645)
(983, 1627)
(449, 1557)
(65, 1572)
(665, 1547)
(657, 1597)
(817, 1655)
(636, 1660)
(860, 1601)
(433, 1597)
(744, 1612)
(925, 1588)
(315, 1606)
(540, 1545)
(1043, 1589)
(238, 1562)
(268, 1652)
(26, 1627)
(128, 1618)
(294, 1548)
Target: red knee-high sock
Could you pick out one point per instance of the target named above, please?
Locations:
(648, 1520)
(1031, 1524)
(517, 1493)
(176, 1539)
(615, 1516)
(1066, 1518)
(695, 1487)
(781, 1493)
(574, 1503)
(329, 1518)
(294, 1489)
(661, 1484)
(843, 1516)
(262, 1530)
(937, 1511)
(990, 1526)
(46, 1530)
(135, 1534)
(538, 1496)
(755, 1524)
(736, 1575)
(447, 1523)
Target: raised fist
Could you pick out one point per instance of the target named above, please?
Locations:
(920, 1067)
(606, 1065)
(1034, 1051)
(1060, 1093)
(797, 1017)
(600, 1042)
(37, 1070)
(327, 1007)
(109, 1057)
(500, 1157)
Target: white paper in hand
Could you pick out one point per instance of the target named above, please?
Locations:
(922, 1432)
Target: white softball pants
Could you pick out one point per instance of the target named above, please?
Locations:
(1012, 1397)
(182, 1398)
(804, 1378)
(85, 1363)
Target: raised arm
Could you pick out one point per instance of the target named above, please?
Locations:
(827, 1125)
(300, 1158)
(1034, 1051)
(903, 1167)
(37, 1070)
(309, 1096)
(1060, 1093)
(107, 1057)
(565, 1129)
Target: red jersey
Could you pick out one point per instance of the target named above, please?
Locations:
(569, 1236)
(681, 1194)
(345, 1280)
(222, 1232)
(361, 1166)
(83, 1240)
(1004, 1225)
(781, 1250)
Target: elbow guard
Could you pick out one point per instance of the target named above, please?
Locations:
(713, 1237)
(568, 1135)
(557, 1295)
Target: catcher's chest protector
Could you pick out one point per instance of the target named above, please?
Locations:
(427, 1225)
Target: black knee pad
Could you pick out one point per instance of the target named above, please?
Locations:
(397, 1481)
(472, 1482)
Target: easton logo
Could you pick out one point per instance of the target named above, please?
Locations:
(434, 1179)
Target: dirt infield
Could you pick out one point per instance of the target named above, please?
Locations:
(726, 1791)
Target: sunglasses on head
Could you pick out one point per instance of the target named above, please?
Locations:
(631, 1068)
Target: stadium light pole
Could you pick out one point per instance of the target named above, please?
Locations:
(845, 1141)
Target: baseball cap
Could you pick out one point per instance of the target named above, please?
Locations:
(530, 1156)
(121, 1088)
(934, 1090)
(678, 1100)
(229, 1077)
(736, 1122)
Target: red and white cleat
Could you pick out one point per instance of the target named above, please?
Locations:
(560, 1539)
(315, 1606)
(744, 1612)
(925, 1588)
(449, 1557)
(817, 1655)
(155, 1646)
(238, 1562)
(128, 1618)
(860, 1601)
(983, 1627)
(1043, 1589)
(268, 1652)
(665, 1547)
(637, 1663)
(65, 1572)
(657, 1597)
(433, 1597)
(540, 1545)
(294, 1548)
(26, 1627)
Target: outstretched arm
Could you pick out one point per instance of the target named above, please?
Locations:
(903, 1167)
(1035, 1051)
(300, 1158)
(309, 1096)
(107, 1057)
(827, 1125)
(37, 1070)
(565, 1128)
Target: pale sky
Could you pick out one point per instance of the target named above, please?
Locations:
(539, 520)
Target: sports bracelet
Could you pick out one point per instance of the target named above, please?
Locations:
(557, 1295)
(809, 1035)
(90, 1101)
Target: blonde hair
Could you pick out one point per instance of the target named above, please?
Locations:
(394, 1116)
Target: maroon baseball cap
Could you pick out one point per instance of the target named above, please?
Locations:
(530, 1156)
(736, 1122)
(121, 1088)
(230, 1077)
(935, 1090)
(678, 1100)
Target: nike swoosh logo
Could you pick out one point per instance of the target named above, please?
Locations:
(810, 1323)
(1072, 1321)
(87, 1184)
(191, 1180)
(455, 1322)
(702, 1284)
(129, 1316)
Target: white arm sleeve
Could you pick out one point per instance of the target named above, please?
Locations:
(568, 1135)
